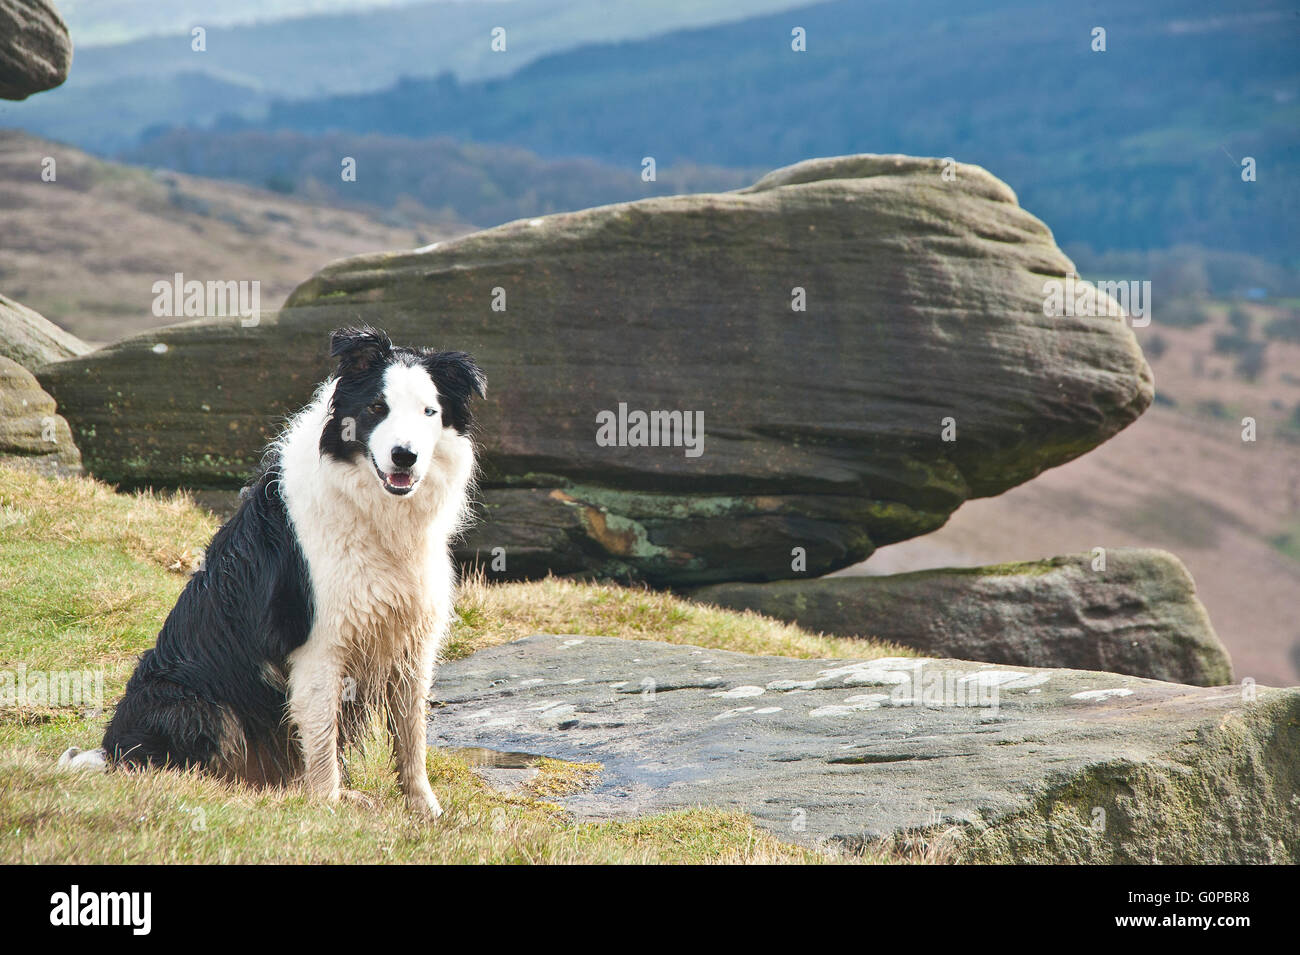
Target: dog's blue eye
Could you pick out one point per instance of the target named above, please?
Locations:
(430, 411)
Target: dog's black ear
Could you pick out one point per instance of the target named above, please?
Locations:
(456, 373)
(458, 379)
(358, 349)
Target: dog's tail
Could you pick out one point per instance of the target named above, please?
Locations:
(90, 760)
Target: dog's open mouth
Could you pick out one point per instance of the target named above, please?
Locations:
(396, 482)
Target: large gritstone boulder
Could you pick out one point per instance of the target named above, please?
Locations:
(682, 390)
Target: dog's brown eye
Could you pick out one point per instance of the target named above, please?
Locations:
(378, 408)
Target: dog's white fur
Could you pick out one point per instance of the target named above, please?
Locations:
(381, 574)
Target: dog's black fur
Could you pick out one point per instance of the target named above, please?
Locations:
(220, 656)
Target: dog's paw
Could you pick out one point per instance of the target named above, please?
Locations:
(95, 760)
(355, 798)
(424, 804)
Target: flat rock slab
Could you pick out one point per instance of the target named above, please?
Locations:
(1013, 764)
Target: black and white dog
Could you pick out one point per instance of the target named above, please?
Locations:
(328, 594)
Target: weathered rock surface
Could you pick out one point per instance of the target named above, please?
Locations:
(823, 429)
(35, 50)
(32, 434)
(32, 339)
(1068, 766)
(1140, 615)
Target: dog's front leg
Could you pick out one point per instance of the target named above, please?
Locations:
(315, 690)
(408, 693)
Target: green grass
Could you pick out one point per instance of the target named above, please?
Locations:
(88, 575)
(1288, 541)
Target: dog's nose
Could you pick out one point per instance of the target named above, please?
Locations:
(403, 457)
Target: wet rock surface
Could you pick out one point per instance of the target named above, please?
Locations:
(1013, 764)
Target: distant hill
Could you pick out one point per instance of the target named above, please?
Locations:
(485, 185)
(112, 115)
(85, 250)
(1136, 147)
(100, 22)
(153, 78)
(309, 47)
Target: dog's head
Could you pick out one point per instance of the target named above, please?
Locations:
(392, 406)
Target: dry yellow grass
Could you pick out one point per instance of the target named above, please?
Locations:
(492, 614)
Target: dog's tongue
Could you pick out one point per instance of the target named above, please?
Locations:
(399, 479)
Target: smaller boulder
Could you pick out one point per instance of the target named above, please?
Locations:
(31, 339)
(31, 433)
(35, 49)
(1139, 616)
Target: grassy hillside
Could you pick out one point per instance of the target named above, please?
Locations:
(88, 576)
(85, 250)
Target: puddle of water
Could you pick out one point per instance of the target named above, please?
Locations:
(480, 758)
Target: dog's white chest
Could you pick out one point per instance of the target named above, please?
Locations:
(378, 599)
